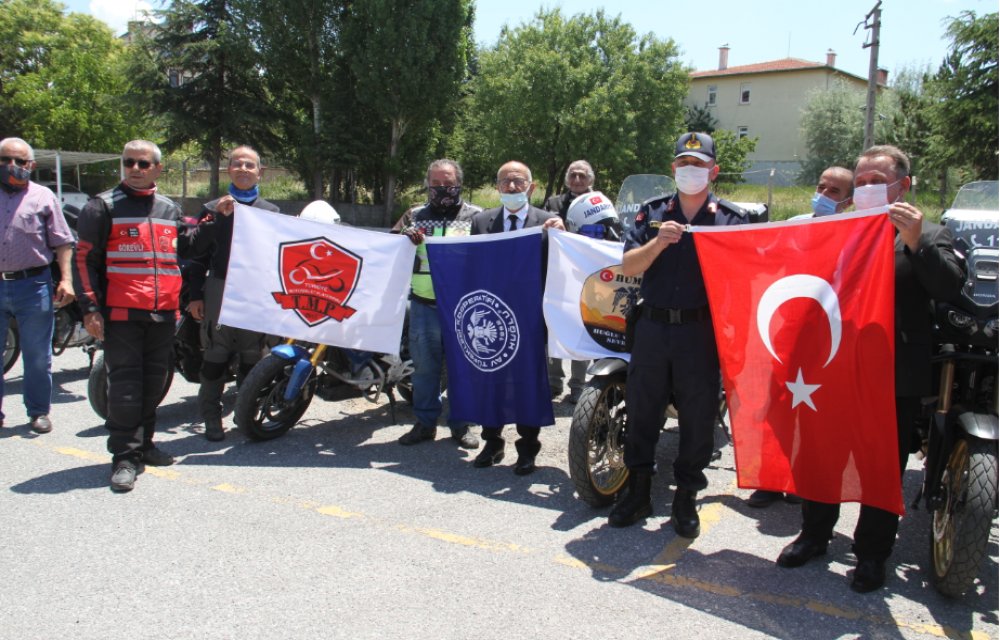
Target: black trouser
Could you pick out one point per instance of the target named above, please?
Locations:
(137, 355)
(876, 530)
(678, 361)
(527, 444)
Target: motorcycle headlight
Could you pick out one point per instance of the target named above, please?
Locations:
(962, 321)
(991, 328)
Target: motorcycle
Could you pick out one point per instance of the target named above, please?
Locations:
(597, 432)
(278, 390)
(960, 427)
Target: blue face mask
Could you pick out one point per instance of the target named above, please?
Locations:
(514, 201)
(823, 205)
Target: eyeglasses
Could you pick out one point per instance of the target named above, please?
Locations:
(518, 183)
(243, 164)
(131, 162)
(21, 162)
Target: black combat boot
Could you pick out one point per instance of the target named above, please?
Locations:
(636, 503)
(684, 514)
(210, 406)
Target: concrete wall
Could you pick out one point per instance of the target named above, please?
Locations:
(356, 215)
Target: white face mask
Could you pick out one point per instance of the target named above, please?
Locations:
(514, 201)
(691, 179)
(872, 196)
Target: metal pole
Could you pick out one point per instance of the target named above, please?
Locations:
(873, 21)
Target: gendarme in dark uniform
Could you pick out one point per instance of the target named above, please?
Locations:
(674, 354)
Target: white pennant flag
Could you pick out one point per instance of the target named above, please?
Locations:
(586, 297)
(327, 284)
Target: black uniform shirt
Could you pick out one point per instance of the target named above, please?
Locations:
(674, 280)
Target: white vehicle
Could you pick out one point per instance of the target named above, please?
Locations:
(71, 196)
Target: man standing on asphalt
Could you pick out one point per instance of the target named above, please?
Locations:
(130, 283)
(926, 269)
(674, 352)
(515, 186)
(212, 242)
(579, 180)
(444, 214)
(32, 229)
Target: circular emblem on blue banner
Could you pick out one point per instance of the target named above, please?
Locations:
(487, 330)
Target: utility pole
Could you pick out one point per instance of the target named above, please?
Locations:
(872, 21)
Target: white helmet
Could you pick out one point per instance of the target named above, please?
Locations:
(589, 208)
(320, 211)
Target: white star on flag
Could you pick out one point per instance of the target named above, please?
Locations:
(802, 392)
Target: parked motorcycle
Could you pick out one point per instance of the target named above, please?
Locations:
(278, 390)
(960, 433)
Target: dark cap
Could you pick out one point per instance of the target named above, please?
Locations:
(699, 145)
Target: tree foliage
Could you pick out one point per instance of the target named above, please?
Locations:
(964, 109)
(62, 80)
(834, 127)
(732, 155)
(200, 73)
(557, 90)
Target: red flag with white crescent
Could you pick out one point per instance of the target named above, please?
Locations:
(803, 317)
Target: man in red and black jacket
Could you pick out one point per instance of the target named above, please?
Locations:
(129, 281)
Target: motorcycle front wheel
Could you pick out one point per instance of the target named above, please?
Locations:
(261, 411)
(97, 386)
(960, 531)
(597, 441)
(12, 348)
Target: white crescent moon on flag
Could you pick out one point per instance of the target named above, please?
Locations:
(799, 286)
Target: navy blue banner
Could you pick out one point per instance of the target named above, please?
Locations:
(489, 297)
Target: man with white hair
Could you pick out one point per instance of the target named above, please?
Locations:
(33, 229)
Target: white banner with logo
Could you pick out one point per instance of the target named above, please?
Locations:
(328, 284)
(586, 297)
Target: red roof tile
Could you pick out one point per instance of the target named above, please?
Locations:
(785, 64)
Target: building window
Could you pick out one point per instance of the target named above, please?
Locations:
(742, 132)
(711, 95)
(745, 93)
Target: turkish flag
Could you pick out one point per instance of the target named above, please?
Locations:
(803, 317)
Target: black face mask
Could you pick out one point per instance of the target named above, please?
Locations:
(13, 177)
(444, 197)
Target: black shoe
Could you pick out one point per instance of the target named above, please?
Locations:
(41, 424)
(684, 514)
(465, 439)
(635, 505)
(801, 551)
(760, 498)
(574, 395)
(417, 434)
(213, 430)
(524, 465)
(491, 454)
(157, 457)
(123, 476)
(791, 498)
(869, 575)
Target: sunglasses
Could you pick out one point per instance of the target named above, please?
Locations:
(131, 162)
(21, 162)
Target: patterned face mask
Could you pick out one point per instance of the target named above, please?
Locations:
(441, 197)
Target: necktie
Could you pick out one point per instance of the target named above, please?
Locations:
(513, 222)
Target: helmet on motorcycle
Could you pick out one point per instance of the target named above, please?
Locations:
(320, 211)
(588, 209)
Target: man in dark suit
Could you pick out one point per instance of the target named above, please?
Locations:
(926, 269)
(515, 187)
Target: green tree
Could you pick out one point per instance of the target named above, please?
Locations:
(700, 119)
(201, 74)
(731, 154)
(965, 104)
(407, 59)
(556, 90)
(834, 126)
(62, 78)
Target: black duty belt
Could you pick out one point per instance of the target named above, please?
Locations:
(22, 274)
(675, 316)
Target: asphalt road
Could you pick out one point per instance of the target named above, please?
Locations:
(335, 530)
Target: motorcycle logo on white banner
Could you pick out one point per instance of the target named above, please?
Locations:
(293, 278)
(587, 297)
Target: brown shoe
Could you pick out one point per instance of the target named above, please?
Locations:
(41, 424)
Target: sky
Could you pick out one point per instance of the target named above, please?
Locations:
(755, 30)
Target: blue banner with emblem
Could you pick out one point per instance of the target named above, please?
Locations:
(489, 299)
